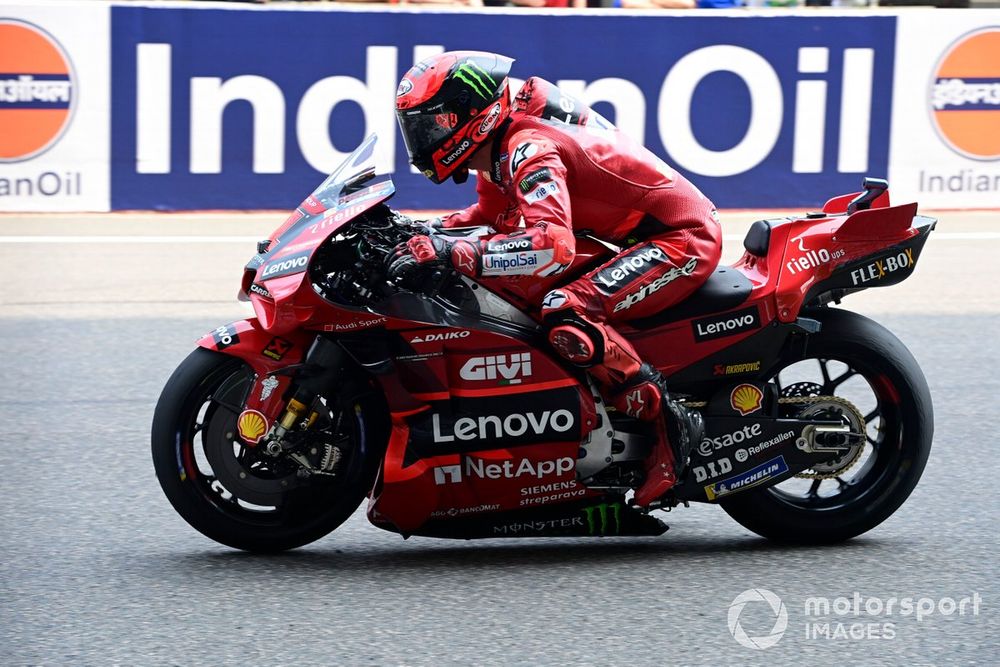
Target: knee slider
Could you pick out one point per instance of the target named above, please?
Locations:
(577, 341)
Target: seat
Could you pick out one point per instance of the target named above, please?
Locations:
(724, 290)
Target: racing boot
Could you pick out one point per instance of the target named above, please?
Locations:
(677, 433)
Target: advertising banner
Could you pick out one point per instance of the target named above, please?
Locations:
(54, 107)
(946, 123)
(250, 108)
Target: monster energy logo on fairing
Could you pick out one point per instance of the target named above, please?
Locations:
(475, 76)
(601, 512)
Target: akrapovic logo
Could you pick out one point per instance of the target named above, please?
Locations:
(436, 337)
(498, 367)
(286, 266)
(730, 324)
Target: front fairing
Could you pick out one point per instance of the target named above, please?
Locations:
(355, 186)
(276, 274)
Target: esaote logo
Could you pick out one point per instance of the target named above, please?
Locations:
(965, 95)
(37, 90)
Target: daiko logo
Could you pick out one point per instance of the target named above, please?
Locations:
(965, 95)
(37, 90)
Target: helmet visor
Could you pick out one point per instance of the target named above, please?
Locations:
(424, 131)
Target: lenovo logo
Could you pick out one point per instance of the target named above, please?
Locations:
(729, 324)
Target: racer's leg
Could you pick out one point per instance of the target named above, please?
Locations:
(639, 282)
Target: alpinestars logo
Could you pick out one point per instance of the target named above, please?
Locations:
(435, 337)
(497, 367)
(476, 78)
(658, 284)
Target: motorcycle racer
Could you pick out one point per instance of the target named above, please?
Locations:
(550, 161)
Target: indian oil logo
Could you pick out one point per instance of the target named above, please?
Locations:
(37, 90)
(965, 95)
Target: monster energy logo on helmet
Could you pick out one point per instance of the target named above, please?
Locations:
(599, 513)
(476, 77)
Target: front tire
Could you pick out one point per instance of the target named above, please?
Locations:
(898, 446)
(192, 431)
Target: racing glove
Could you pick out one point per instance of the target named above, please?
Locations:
(416, 256)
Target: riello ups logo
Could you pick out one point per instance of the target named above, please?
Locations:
(37, 91)
(965, 95)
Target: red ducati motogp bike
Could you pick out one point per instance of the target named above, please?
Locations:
(441, 403)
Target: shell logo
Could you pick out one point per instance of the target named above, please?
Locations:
(965, 95)
(37, 90)
(746, 398)
(252, 425)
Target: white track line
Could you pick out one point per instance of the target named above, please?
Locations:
(935, 236)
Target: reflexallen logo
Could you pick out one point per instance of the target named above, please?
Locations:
(729, 324)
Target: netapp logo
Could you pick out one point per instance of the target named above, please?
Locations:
(481, 469)
(730, 324)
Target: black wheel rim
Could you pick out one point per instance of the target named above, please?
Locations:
(882, 456)
(209, 413)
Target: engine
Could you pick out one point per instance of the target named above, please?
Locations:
(350, 267)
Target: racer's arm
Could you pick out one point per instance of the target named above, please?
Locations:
(486, 211)
(546, 245)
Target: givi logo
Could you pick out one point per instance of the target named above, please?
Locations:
(965, 95)
(37, 90)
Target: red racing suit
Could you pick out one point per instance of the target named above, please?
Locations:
(560, 166)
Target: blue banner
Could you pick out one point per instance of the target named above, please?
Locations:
(249, 108)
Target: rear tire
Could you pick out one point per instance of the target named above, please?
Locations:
(896, 465)
(201, 401)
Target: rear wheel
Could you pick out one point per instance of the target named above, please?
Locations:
(877, 388)
(236, 494)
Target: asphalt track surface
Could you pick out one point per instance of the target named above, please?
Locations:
(97, 569)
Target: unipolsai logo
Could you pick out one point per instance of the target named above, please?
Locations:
(759, 598)
(965, 95)
(37, 90)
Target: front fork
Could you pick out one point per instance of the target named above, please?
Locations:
(320, 368)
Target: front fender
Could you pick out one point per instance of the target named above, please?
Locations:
(262, 350)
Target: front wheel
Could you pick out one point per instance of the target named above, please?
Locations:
(233, 493)
(878, 389)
